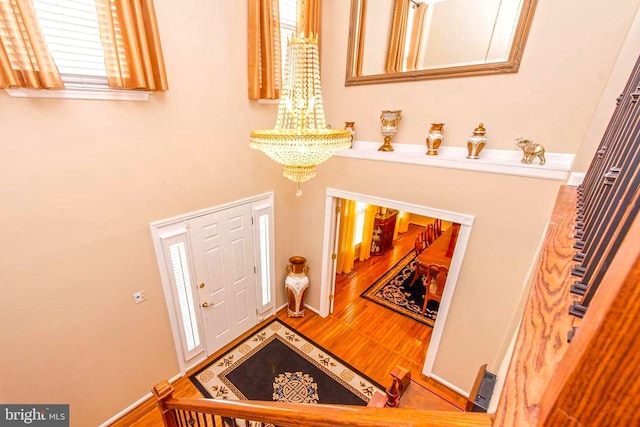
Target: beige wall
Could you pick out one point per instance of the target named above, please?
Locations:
(81, 180)
(571, 50)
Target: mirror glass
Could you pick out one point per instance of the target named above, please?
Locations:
(396, 40)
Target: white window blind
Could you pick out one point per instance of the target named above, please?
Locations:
(70, 28)
(180, 269)
(265, 259)
(71, 31)
(288, 19)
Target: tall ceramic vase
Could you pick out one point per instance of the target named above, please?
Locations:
(295, 285)
(434, 138)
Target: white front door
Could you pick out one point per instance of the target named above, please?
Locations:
(222, 249)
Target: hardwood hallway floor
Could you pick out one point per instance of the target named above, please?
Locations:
(370, 337)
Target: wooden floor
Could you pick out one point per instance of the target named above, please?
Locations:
(370, 337)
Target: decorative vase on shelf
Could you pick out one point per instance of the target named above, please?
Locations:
(389, 120)
(295, 285)
(351, 127)
(476, 142)
(434, 138)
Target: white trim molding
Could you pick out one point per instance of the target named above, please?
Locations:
(447, 384)
(505, 162)
(104, 94)
(576, 178)
(135, 404)
(328, 276)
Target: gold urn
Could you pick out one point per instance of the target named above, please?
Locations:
(476, 142)
(434, 138)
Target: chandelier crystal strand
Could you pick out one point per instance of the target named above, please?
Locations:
(300, 140)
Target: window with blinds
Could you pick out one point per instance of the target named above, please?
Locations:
(265, 259)
(288, 18)
(182, 291)
(71, 31)
(287, 21)
(263, 255)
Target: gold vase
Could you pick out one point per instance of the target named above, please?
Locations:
(389, 120)
(434, 138)
(476, 142)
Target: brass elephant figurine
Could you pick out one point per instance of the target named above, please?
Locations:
(530, 150)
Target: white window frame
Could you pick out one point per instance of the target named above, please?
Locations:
(77, 86)
(168, 241)
(265, 271)
(103, 94)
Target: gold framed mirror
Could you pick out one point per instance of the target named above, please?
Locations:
(407, 40)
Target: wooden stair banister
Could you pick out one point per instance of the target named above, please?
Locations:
(164, 392)
(306, 415)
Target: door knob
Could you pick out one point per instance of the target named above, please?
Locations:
(206, 304)
(201, 285)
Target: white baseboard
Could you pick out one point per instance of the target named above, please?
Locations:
(316, 311)
(449, 385)
(134, 405)
(575, 178)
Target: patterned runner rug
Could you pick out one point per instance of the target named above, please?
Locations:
(280, 364)
(392, 291)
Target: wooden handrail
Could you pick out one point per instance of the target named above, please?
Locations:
(305, 415)
(593, 380)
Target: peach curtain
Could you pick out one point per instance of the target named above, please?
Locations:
(309, 13)
(415, 42)
(397, 36)
(346, 249)
(367, 232)
(25, 61)
(131, 43)
(264, 62)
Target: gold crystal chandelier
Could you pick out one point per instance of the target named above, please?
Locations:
(300, 140)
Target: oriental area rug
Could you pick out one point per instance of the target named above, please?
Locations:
(392, 291)
(279, 364)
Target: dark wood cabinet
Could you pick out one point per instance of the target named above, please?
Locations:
(384, 226)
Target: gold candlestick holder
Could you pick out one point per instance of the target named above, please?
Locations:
(389, 120)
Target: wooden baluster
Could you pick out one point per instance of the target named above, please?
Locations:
(163, 392)
(401, 378)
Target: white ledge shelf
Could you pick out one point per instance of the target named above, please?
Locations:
(505, 162)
